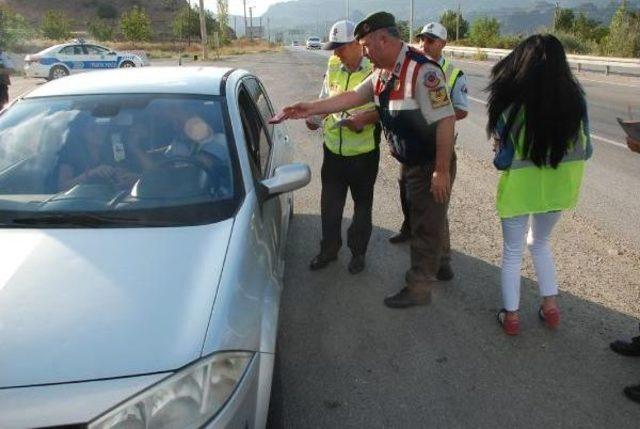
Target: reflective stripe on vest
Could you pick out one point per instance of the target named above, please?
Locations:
(526, 188)
(452, 74)
(341, 140)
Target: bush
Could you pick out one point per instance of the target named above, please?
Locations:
(13, 29)
(56, 26)
(136, 25)
(101, 30)
(573, 44)
(485, 32)
(106, 11)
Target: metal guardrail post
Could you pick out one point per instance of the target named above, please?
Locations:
(579, 67)
(606, 70)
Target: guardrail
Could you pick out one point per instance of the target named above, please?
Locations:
(608, 64)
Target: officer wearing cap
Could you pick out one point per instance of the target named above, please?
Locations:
(351, 152)
(418, 119)
(433, 39)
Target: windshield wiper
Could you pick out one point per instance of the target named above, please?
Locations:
(90, 220)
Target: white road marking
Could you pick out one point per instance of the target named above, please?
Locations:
(593, 136)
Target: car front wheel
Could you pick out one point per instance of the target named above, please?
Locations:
(57, 72)
(127, 64)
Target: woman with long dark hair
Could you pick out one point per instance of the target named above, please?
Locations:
(538, 107)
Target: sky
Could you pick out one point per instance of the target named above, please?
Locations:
(235, 6)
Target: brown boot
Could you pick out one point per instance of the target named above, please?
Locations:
(408, 297)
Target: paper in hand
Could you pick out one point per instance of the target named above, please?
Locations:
(632, 128)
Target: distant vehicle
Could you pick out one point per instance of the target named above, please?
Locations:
(295, 43)
(314, 43)
(146, 211)
(78, 56)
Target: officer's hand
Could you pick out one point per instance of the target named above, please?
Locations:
(298, 110)
(440, 186)
(353, 124)
(634, 145)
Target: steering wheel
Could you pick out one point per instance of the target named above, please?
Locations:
(194, 161)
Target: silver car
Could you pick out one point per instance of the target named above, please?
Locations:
(143, 221)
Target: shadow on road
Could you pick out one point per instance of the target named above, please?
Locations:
(347, 361)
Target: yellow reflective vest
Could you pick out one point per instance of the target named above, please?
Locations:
(451, 73)
(526, 189)
(341, 140)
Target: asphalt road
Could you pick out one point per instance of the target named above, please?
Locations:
(346, 361)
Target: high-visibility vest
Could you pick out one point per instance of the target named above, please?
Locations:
(341, 140)
(526, 188)
(452, 74)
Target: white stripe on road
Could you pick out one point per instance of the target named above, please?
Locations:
(593, 136)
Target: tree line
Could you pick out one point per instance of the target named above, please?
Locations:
(132, 25)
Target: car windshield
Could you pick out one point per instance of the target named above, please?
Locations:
(314, 39)
(127, 159)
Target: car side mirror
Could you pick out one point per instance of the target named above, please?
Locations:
(286, 178)
(112, 53)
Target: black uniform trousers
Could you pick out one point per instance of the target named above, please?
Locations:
(341, 173)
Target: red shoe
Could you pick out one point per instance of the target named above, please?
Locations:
(551, 317)
(509, 326)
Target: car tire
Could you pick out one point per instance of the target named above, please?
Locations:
(127, 64)
(58, 72)
(291, 211)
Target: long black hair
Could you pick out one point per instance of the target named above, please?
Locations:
(536, 75)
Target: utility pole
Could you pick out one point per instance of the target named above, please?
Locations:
(203, 31)
(261, 30)
(235, 25)
(458, 23)
(268, 29)
(244, 4)
(347, 10)
(411, 23)
(556, 14)
(251, 23)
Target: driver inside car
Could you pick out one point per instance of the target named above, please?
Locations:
(94, 155)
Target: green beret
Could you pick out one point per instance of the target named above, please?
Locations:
(373, 22)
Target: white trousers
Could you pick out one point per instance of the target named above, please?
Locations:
(513, 232)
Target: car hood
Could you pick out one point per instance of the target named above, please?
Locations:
(88, 304)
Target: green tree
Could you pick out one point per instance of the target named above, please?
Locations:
(101, 29)
(563, 20)
(450, 19)
(55, 25)
(14, 28)
(485, 32)
(136, 25)
(223, 17)
(588, 29)
(623, 39)
(186, 24)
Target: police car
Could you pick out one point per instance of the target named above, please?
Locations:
(77, 56)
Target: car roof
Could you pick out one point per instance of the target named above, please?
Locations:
(140, 80)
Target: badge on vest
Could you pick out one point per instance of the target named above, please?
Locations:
(431, 80)
(438, 97)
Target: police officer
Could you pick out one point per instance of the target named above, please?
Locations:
(433, 39)
(418, 120)
(351, 152)
(6, 68)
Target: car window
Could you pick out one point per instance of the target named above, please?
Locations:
(261, 100)
(116, 153)
(97, 50)
(72, 50)
(257, 140)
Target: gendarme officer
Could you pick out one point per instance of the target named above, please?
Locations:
(412, 99)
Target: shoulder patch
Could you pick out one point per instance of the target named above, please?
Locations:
(439, 97)
(431, 79)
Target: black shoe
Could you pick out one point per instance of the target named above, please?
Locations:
(633, 392)
(356, 264)
(405, 298)
(320, 261)
(627, 348)
(400, 237)
(445, 273)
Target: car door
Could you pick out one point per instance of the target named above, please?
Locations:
(73, 57)
(99, 57)
(259, 148)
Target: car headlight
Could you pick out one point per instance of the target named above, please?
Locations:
(187, 399)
